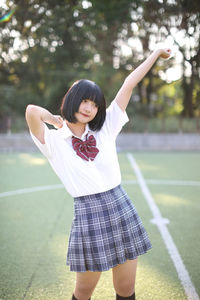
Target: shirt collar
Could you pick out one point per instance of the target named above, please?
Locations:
(65, 132)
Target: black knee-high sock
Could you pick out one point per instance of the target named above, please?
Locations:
(125, 298)
(74, 298)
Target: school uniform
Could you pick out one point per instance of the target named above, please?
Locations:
(106, 229)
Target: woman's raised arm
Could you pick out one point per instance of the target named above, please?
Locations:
(123, 96)
(36, 116)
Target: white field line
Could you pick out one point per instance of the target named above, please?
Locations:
(169, 243)
(173, 182)
(60, 186)
(165, 182)
(31, 190)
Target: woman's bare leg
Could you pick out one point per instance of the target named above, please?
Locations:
(124, 278)
(85, 284)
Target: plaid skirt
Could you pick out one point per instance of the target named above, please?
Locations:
(106, 231)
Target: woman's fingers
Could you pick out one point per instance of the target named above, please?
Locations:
(166, 53)
(58, 121)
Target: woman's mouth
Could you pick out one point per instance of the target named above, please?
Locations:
(84, 115)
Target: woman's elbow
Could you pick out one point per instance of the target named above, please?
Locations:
(31, 112)
(30, 109)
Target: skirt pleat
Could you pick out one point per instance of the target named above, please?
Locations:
(106, 231)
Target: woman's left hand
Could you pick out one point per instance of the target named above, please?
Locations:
(165, 53)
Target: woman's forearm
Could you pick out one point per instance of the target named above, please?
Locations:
(40, 113)
(36, 116)
(124, 94)
(134, 77)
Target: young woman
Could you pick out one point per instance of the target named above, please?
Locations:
(106, 231)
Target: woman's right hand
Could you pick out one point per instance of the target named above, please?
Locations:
(57, 121)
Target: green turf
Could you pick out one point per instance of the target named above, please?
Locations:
(34, 229)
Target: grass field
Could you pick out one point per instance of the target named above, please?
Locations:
(36, 214)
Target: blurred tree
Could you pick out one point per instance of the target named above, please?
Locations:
(180, 20)
(49, 44)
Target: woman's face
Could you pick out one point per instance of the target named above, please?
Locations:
(87, 111)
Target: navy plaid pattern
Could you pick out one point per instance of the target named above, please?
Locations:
(106, 231)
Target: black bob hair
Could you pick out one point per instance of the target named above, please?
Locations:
(79, 91)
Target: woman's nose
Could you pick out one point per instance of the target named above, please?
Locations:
(88, 107)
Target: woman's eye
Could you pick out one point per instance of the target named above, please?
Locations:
(92, 103)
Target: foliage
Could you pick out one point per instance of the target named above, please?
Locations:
(47, 45)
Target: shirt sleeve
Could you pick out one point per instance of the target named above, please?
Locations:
(47, 148)
(116, 118)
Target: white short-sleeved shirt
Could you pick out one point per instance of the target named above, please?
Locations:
(81, 177)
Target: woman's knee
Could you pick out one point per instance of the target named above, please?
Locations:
(83, 292)
(124, 287)
(124, 278)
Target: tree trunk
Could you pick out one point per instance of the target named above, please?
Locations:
(187, 98)
(149, 88)
(141, 92)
